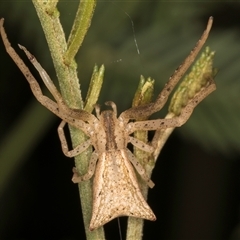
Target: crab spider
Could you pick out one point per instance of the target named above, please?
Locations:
(111, 161)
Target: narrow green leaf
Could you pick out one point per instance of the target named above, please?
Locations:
(80, 27)
(94, 88)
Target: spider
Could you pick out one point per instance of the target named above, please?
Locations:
(115, 186)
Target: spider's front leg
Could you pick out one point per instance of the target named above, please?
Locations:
(52, 106)
(178, 120)
(73, 113)
(148, 109)
(60, 108)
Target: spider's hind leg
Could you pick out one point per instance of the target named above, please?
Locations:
(141, 145)
(77, 150)
(91, 169)
(140, 169)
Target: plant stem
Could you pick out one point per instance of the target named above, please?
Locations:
(70, 89)
(142, 96)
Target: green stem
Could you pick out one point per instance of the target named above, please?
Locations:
(70, 89)
(142, 96)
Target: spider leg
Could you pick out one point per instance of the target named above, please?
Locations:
(60, 109)
(78, 149)
(26, 72)
(148, 109)
(91, 169)
(175, 121)
(140, 169)
(76, 113)
(45, 77)
(140, 144)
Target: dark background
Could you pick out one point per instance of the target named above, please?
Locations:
(197, 175)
